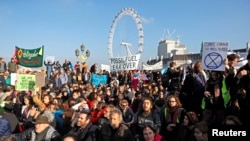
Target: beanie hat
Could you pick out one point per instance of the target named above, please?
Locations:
(192, 117)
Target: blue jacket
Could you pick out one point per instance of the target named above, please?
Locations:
(5, 128)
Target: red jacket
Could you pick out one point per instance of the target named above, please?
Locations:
(95, 115)
(158, 137)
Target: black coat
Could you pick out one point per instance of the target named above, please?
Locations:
(3, 83)
(89, 133)
(28, 134)
(107, 133)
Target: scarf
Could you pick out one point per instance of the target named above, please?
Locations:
(173, 115)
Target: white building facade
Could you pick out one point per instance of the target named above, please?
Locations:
(167, 48)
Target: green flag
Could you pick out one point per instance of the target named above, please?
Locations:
(30, 57)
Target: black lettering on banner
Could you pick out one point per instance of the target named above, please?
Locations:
(117, 60)
(124, 66)
(131, 58)
(129, 65)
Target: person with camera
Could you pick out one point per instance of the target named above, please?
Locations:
(213, 103)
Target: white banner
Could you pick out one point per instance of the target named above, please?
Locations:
(156, 66)
(105, 67)
(124, 63)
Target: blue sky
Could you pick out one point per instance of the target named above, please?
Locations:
(63, 25)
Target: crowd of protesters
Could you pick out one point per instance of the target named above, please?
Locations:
(134, 105)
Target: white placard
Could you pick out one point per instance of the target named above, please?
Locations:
(213, 55)
(50, 58)
(13, 77)
(124, 63)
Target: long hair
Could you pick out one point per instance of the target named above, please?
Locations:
(178, 102)
(198, 67)
(68, 117)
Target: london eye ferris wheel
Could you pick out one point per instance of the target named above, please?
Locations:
(126, 34)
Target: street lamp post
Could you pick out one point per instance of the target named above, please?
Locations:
(83, 56)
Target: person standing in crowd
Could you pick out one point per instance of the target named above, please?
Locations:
(66, 65)
(174, 77)
(243, 92)
(42, 131)
(77, 67)
(193, 89)
(57, 66)
(230, 80)
(115, 131)
(214, 110)
(3, 66)
(12, 66)
(86, 76)
(121, 78)
(63, 77)
(49, 68)
(84, 129)
(57, 84)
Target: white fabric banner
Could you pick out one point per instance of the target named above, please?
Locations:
(156, 66)
(105, 67)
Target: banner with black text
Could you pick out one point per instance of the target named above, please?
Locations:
(124, 63)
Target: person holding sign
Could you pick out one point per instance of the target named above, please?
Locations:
(49, 68)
